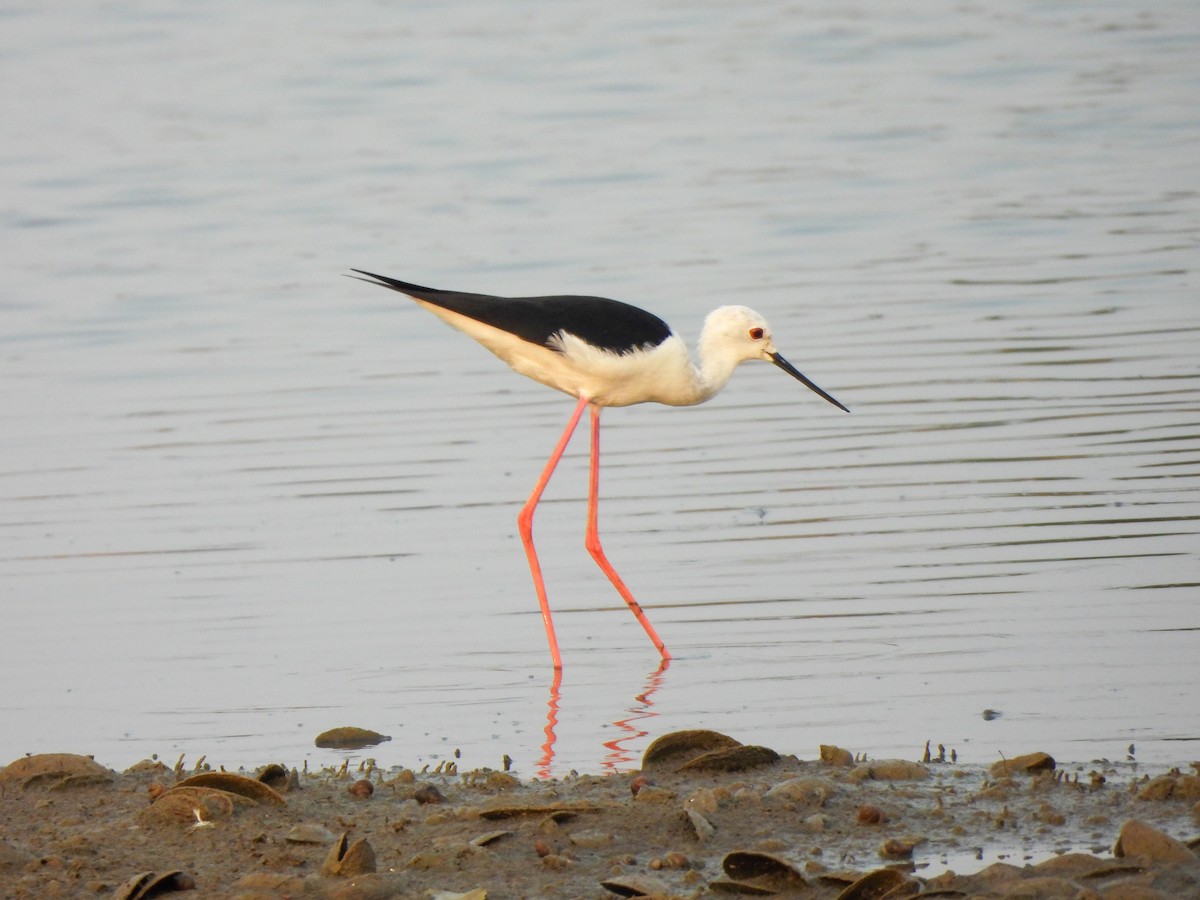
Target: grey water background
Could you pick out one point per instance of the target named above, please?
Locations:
(244, 499)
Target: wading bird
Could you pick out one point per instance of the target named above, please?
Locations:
(604, 353)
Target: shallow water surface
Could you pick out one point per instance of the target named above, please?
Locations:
(244, 499)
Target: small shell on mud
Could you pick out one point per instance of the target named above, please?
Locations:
(350, 738)
(1029, 762)
(250, 788)
(362, 789)
(836, 756)
(277, 776)
(1136, 838)
(888, 770)
(190, 806)
(890, 883)
(488, 837)
(55, 770)
(685, 744)
(753, 872)
(636, 886)
(1175, 787)
(549, 824)
(731, 759)
(348, 859)
(703, 828)
(1159, 788)
(560, 811)
(150, 884)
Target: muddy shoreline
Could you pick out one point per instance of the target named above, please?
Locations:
(700, 819)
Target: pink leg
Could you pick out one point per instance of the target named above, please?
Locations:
(525, 526)
(592, 540)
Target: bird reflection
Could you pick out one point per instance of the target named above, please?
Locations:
(618, 755)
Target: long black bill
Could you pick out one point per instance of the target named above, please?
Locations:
(799, 376)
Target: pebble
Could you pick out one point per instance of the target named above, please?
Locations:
(349, 738)
(428, 793)
(871, 815)
(898, 848)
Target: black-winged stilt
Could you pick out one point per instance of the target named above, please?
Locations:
(605, 353)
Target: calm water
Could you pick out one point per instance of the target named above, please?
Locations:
(244, 499)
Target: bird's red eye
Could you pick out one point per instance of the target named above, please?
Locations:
(756, 334)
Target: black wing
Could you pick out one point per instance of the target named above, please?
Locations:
(608, 324)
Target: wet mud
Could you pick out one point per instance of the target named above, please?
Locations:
(705, 816)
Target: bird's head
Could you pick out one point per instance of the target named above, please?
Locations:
(736, 334)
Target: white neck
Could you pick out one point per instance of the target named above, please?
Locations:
(710, 372)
